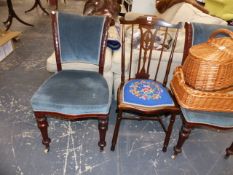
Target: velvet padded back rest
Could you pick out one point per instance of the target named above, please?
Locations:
(203, 31)
(80, 43)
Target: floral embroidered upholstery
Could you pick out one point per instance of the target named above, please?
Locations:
(147, 93)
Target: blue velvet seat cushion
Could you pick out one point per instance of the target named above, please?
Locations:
(73, 92)
(220, 119)
(146, 93)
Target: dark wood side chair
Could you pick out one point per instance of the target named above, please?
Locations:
(139, 92)
(75, 94)
(197, 33)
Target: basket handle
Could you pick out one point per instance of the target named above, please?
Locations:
(224, 31)
(182, 75)
(179, 72)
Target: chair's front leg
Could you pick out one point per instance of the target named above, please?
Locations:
(229, 151)
(168, 132)
(184, 134)
(43, 126)
(103, 126)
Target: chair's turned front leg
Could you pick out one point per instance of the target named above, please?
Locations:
(168, 132)
(103, 126)
(184, 134)
(43, 126)
(229, 151)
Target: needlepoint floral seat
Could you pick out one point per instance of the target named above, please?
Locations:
(146, 93)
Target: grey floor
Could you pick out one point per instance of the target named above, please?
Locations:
(74, 149)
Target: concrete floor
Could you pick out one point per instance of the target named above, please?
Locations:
(74, 147)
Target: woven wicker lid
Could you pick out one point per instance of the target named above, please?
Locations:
(215, 50)
(209, 66)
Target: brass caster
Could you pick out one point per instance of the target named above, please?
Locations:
(173, 157)
(46, 150)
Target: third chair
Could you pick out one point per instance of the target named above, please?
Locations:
(140, 93)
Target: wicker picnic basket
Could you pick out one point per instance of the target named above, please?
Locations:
(187, 97)
(209, 66)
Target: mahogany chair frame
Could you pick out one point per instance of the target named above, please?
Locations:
(187, 126)
(41, 116)
(143, 113)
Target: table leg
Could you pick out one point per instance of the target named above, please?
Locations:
(11, 15)
(37, 2)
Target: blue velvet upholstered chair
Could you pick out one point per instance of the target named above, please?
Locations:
(197, 33)
(75, 94)
(140, 93)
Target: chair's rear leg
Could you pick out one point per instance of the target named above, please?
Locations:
(162, 125)
(43, 126)
(184, 134)
(168, 132)
(103, 126)
(116, 130)
(229, 151)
